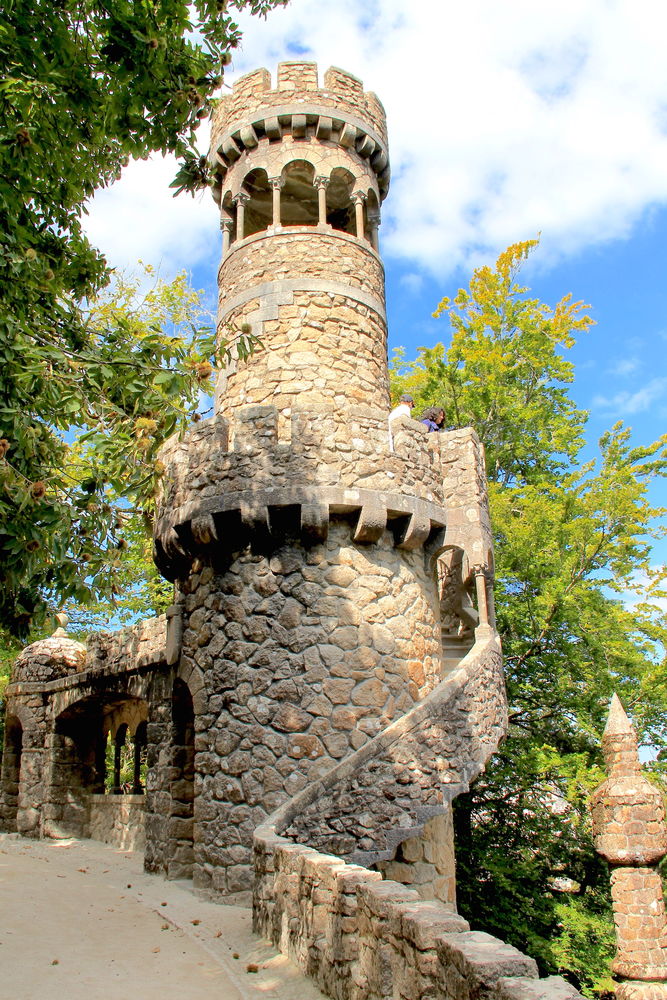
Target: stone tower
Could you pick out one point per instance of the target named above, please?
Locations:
(630, 833)
(311, 561)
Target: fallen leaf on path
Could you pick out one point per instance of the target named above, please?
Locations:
(155, 951)
(195, 922)
(251, 967)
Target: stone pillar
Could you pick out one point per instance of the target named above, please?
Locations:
(241, 201)
(374, 223)
(226, 226)
(359, 198)
(276, 187)
(630, 833)
(482, 599)
(321, 184)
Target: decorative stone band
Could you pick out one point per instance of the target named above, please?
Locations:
(229, 523)
(274, 294)
(347, 130)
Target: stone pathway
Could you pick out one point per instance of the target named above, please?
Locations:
(82, 920)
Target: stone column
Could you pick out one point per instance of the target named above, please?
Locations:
(241, 201)
(118, 745)
(359, 198)
(482, 598)
(630, 833)
(226, 226)
(321, 184)
(374, 223)
(276, 187)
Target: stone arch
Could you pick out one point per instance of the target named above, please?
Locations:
(274, 160)
(340, 208)
(298, 197)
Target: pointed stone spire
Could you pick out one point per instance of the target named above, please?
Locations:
(629, 831)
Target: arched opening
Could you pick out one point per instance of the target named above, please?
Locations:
(121, 761)
(259, 209)
(180, 835)
(298, 198)
(140, 754)
(340, 209)
(458, 614)
(11, 771)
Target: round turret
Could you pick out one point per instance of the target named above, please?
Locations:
(301, 172)
(51, 658)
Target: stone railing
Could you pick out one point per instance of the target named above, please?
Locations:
(364, 938)
(361, 938)
(382, 794)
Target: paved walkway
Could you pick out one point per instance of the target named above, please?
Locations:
(82, 921)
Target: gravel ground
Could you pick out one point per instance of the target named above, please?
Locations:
(81, 920)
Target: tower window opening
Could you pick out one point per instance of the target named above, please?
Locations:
(258, 210)
(298, 197)
(340, 208)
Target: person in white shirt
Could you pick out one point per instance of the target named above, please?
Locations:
(404, 409)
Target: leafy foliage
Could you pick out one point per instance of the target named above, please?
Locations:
(573, 544)
(84, 86)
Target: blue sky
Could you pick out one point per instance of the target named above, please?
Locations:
(505, 120)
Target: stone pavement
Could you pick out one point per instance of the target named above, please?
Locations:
(82, 920)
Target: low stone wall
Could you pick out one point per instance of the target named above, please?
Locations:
(118, 820)
(362, 938)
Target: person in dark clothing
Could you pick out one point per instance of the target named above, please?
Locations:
(433, 417)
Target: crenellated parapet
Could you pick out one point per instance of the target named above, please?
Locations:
(340, 113)
(231, 483)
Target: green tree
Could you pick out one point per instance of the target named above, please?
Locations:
(573, 541)
(84, 86)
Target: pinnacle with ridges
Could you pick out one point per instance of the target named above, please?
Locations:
(617, 721)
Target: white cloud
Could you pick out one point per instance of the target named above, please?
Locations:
(624, 367)
(412, 282)
(628, 403)
(138, 218)
(505, 119)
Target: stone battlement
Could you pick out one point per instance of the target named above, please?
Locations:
(323, 463)
(297, 83)
(339, 114)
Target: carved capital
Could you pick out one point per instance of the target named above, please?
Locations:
(359, 197)
(321, 182)
(242, 198)
(277, 183)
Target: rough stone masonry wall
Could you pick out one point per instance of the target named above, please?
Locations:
(305, 655)
(324, 447)
(362, 938)
(323, 333)
(370, 803)
(118, 820)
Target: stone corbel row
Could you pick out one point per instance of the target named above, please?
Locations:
(198, 527)
(232, 145)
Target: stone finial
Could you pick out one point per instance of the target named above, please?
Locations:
(629, 830)
(62, 621)
(619, 742)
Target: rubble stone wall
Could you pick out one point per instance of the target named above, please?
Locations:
(325, 333)
(361, 938)
(118, 820)
(305, 654)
